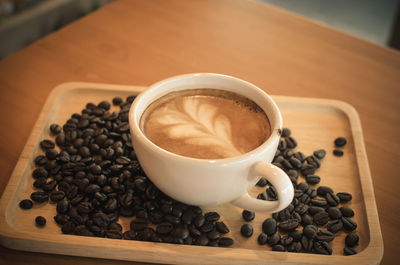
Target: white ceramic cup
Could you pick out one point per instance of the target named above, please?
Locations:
(205, 182)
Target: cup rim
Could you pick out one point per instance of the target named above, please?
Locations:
(134, 120)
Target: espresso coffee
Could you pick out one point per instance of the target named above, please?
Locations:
(205, 123)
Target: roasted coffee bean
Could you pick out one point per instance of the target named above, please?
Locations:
(39, 196)
(248, 215)
(221, 227)
(269, 226)
(320, 154)
(288, 153)
(62, 206)
(40, 221)
(225, 242)
(286, 241)
(272, 194)
(321, 218)
(41, 160)
(347, 251)
(315, 209)
(273, 239)
(322, 247)
(25, 204)
(340, 141)
(194, 231)
(262, 196)
(292, 173)
(296, 163)
(282, 145)
(212, 216)
(101, 219)
(323, 190)
(129, 235)
(114, 234)
(338, 152)
(213, 235)
(296, 235)
(307, 243)
(40, 172)
(306, 219)
(55, 129)
(85, 207)
(349, 224)
(290, 142)
(351, 239)
(286, 164)
(334, 213)
(262, 239)
(324, 235)
(285, 214)
(286, 132)
(347, 211)
(332, 199)
(117, 101)
(246, 230)
(46, 144)
(164, 228)
(335, 226)
(51, 154)
(319, 203)
(313, 179)
(207, 227)
(49, 186)
(262, 182)
(289, 224)
(68, 227)
(294, 247)
(308, 169)
(310, 231)
(202, 240)
(344, 197)
(61, 218)
(278, 247)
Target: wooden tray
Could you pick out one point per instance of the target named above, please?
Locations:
(315, 123)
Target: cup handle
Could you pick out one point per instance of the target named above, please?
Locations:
(282, 184)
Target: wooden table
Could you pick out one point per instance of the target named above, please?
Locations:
(140, 42)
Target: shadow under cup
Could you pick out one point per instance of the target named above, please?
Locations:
(203, 181)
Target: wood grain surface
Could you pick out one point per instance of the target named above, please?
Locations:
(141, 42)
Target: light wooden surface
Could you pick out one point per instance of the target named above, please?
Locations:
(141, 42)
(314, 122)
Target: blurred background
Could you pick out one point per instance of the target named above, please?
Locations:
(24, 21)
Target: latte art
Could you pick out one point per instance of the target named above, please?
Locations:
(205, 123)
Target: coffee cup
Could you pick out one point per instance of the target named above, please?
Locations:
(231, 170)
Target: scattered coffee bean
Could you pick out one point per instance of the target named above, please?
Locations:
(322, 247)
(313, 179)
(40, 221)
(273, 239)
(55, 129)
(351, 240)
(269, 226)
(221, 227)
(332, 199)
(278, 247)
(334, 213)
(338, 152)
(39, 196)
(289, 224)
(340, 141)
(286, 132)
(347, 251)
(248, 215)
(323, 190)
(25, 204)
(321, 218)
(246, 230)
(117, 101)
(262, 239)
(320, 154)
(47, 144)
(262, 182)
(347, 211)
(349, 224)
(225, 242)
(344, 197)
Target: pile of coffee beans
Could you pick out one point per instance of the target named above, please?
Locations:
(92, 175)
(315, 215)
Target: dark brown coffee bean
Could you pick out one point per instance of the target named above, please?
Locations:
(25, 204)
(351, 239)
(47, 144)
(262, 239)
(310, 231)
(313, 179)
(221, 227)
(39, 196)
(117, 101)
(340, 141)
(62, 206)
(273, 239)
(320, 154)
(114, 234)
(248, 215)
(323, 190)
(349, 224)
(262, 182)
(347, 251)
(194, 231)
(296, 235)
(40, 172)
(291, 142)
(307, 244)
(321, 218)
(225, 242)
(334, 213)
(164, 228)
(289, 224)
(332, 199)
(347, 211)
(296, 163)
(269, 226)
(68, 227)
(246, 230)
(324, 235)
(322, 247)
(278, 247)
(212, 216)
(344, 197)
(319, 203)
(286, 241)
(55, 129)
(207, 227)
(307, 219)
(40, 221)
(101, 219)
(315, 209)
(338, 152)
(335, 226)
(286, 132)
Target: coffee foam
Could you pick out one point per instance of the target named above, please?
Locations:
(205, 123)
